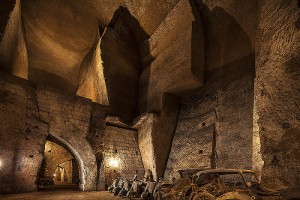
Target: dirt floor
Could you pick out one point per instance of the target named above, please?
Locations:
(61, 191)
(61, 195)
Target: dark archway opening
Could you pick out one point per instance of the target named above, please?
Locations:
(59, 169)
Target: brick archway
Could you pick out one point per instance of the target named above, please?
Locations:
(85, 158)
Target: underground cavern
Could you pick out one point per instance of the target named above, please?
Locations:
(162, 95)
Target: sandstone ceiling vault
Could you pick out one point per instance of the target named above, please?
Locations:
(125, 54)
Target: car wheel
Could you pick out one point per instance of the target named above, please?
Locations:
(201, 196)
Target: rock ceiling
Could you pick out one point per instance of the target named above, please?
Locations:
(69, 28)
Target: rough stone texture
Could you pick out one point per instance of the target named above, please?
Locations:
(41, 112)
(121, 66)
(91, 80)
(257, 156)
(63, 173)
(230, 66)
(235, 128)
(66, 31)
(121, 145)
(145, 127)
(246, 13)
(173, 56)
(96, 139)
(164, 132)
(278, 91)
(155, 134)
(13, 52)
(223, 109)
(68, 118)
(214, 129)
(54, 156)
(22, 136)
(161, 50)
(71, 31)
(6, 8)
(147, 12)
(74, 122)
(194, 141)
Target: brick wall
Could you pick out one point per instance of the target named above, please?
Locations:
(55, 155)
(28, 115)
(194, 138)
(68, 119)
(121, 145)
(215, 129)
(68, 169)
(22, 135)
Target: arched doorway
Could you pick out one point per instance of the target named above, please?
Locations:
(60, 175)
(84, 156)
(59, 167)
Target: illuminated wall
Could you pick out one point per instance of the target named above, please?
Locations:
(56, 156)
(121, 156)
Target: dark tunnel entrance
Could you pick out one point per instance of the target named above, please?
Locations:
(59, 169)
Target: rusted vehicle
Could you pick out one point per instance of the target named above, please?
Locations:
(181, 189)
(161, 188)
(221, 184)
(189, 173)
(178, 189)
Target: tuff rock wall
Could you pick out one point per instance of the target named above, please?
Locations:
(121, 146)
(235, 64)
(13, 50)
(215, 126)
(252, 98)
(155, 134)
(278, 91)
(31, 114)
(54, 156)
(22, 134)
(40, 112)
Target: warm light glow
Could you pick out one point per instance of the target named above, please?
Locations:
(113, 162)
(54, 175)
(0, 163)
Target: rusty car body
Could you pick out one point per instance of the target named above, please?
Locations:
(178, 189)
(221, 184)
